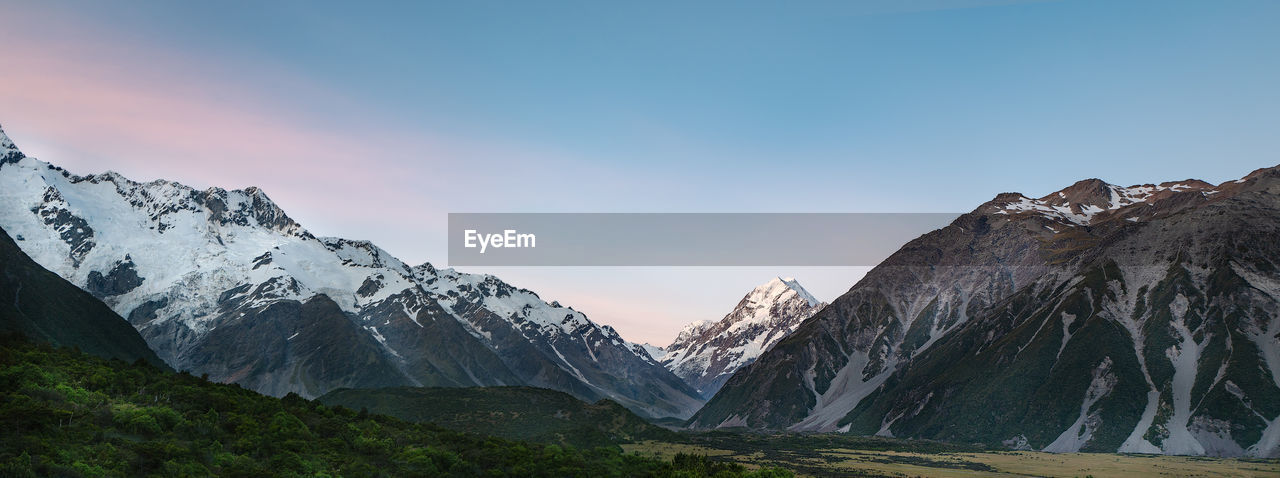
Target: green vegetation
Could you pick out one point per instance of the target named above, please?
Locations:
(65, 413)
(518, 413)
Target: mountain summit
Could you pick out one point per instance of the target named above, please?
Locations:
(9, 153)
(706, 353)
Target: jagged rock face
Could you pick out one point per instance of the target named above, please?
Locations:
(705, 354)
(1100, 318)
(305, 347)
(225, 283)
(9, 153)
(556, 347)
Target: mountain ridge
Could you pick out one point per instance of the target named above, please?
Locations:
(209, 277)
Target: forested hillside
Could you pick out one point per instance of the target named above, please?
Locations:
(65, 413)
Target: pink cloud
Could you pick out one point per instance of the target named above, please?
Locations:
(91, 101)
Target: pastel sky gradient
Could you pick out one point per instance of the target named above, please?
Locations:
(375, 121)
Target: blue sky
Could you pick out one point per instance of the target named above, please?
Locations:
(400, 113)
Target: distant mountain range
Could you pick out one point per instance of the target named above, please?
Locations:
(224, 283)
(706, 353)
(1096, 318)
(1103, 318)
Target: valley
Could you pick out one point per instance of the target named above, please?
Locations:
(1152, 306)
(842, 456)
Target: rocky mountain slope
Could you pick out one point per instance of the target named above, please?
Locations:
(705, 354)
(1096, 318)
(41, 306)
(225, 283)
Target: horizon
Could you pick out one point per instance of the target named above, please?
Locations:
(210, 97)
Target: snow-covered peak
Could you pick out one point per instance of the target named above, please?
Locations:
(654, 351)
(180, 242)
(706, 352)
(692, 330)
(779, 289)
(8, 151)
(161, 206)
(1083, 202)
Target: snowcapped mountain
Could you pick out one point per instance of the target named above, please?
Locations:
(655, 352)
(706, 353)
(224, 283)
(1090, 200)
(1096, 318)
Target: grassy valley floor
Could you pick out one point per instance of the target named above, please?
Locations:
(877, 458)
